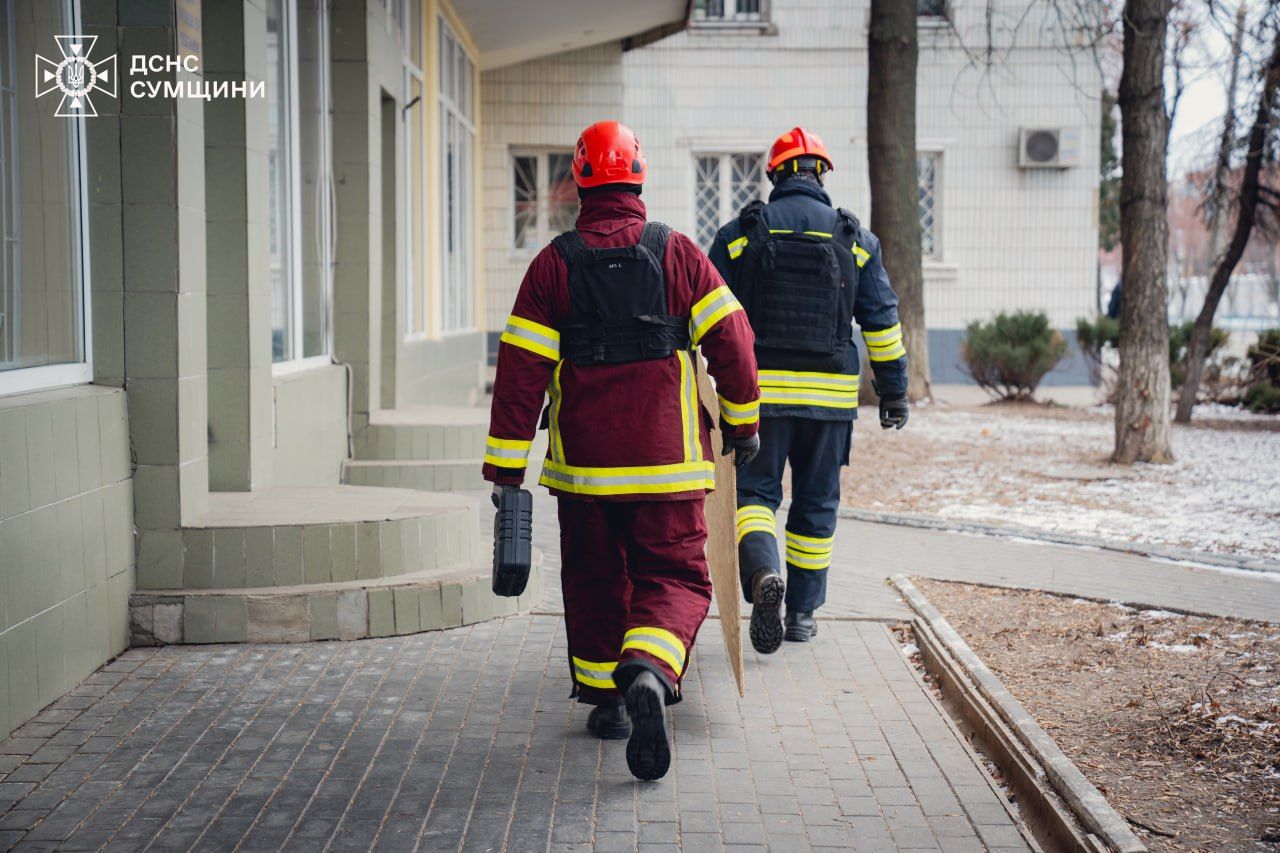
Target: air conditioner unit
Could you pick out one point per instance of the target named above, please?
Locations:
(1048, 147)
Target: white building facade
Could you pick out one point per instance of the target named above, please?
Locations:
(999, 234)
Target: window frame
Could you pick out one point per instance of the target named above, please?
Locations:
(416, 293)
(725, 191)
(26, 380)
(542, 180)
(457, 186)
(295, 361)
(726, 22)
(938, 156)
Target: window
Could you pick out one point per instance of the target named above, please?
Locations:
(928, 168)
(415, 114)
(457, 160)
(723, 185)
(545, 199)
(729, 11)
(931, 8)
(299, 162)
(44, 316)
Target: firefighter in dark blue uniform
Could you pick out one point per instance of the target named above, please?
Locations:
(805, 272)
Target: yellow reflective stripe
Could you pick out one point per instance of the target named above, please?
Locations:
(755, 518)
(689, 409)
(818, 234)
(507, 452)
(594, 674)
(644, 479)
(553, 419)
(710, 309)
(534, 337)
(808, 388)
(809, 379)
(737, 414)
(737, 247)
(811, 543)
(886, 354)
(781, 231)
(861, 255)
(659, 642)
(801, 560)
(883, 337)
(781, 397)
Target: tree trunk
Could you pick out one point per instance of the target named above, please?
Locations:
(891, 161)
(1142, 390)
(1246, 212)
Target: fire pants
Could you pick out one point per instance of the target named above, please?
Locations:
(817, 451)
(636, 590)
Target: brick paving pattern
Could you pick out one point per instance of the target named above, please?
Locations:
(465, 739)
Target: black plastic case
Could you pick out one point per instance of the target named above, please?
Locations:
(512, 542)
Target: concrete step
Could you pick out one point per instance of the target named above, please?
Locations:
(307, 535)
(349, 610)
(424, 433)
(428, 475)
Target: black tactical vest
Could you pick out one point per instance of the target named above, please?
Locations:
(797, 289)
(618, 301)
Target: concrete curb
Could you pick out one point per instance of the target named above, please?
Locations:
(1035, 757)
(930, 522)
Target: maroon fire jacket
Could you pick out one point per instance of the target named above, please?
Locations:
(630, 431)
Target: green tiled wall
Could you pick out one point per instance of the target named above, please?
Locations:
(310, 437)
(66, 542)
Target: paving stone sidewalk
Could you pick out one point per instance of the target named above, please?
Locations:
(466, 739)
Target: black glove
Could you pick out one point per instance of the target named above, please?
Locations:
(894, 412)
(745, 449)
(498, 492)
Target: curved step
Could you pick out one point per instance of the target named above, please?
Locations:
(424, 432)
(306, 535)
(349, 610)
(428, 475)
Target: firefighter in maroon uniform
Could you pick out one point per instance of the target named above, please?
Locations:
(605, 323)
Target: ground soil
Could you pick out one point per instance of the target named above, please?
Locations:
(1047, 468)
(1176, 719)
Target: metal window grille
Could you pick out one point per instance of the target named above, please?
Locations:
(723, 185)
(545, 197)
(927, 171)
(706, 196)
(728, 11)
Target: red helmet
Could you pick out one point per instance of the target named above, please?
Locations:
(798, 142)
(608, 153)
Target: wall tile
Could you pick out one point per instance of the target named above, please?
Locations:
(21, 646)
(14, 486)
(51, 673)
(88, 443)
(70, 548)
(40, 456)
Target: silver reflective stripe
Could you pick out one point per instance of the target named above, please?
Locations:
(806, 393)
(709, 309)
(505, 452)
(624, 479)
(689, 408)
(536, 337)
(676, 651)
(773, 380)
(597, 674)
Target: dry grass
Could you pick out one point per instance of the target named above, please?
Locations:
(1176, 719)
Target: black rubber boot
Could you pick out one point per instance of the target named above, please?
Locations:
(648, 752)
(609, 722)
(801, 626)
(767, 591)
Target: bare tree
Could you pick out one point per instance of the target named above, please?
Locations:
(891, 160)
(1250, 196)
(1217, 200)
(1143, 430)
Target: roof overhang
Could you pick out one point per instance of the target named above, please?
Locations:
(510, 31)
